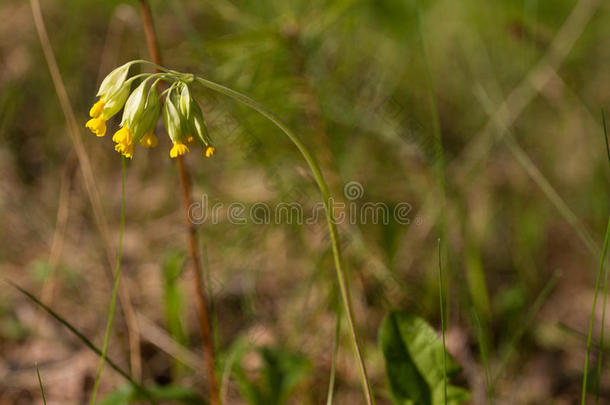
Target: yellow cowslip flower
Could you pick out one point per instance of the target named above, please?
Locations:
(122, 135)
(149, 140)
(124, 149)
(178, 149)
(97, 126)
(209, 151)
(105, 108)
(97, 108)
(194, 126)
(124, 142)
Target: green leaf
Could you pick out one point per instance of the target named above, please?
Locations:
(281, 373)
(414, 362)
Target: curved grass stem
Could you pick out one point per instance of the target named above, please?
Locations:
(332, 226)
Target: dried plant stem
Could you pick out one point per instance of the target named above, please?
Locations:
(200, 291)
(90, 184)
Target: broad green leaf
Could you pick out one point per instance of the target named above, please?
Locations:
(281, 373)
(414, 362)
(407, 385)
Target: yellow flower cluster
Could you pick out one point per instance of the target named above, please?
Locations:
(182, 115)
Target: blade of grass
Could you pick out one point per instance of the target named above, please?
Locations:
(44, 400)
(439, 153)
(484, 353)
(332, 225)
(592, 319)
(440, 296)
(606, 135)
(524, 325)
(115, 288)
(333, 364)
(576, 333)
(538, 177)
(82, 338)
(601, 337)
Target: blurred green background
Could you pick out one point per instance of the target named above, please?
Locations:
(518, 191)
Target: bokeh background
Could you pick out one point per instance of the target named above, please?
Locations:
(518, 193)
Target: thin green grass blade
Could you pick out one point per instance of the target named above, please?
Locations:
(600, 357)
(577, 334)
(44, 400)
(440, 296)
(333, 365)
(484, 353)
(81, 337)
(439, 152)
(525, 324)
(115, 288)
(606, 135)
(592, 319)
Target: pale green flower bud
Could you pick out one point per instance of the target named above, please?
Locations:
(116, 101)
(193, 123)
(185, 102)
(134, 106)
(173, 121)
(199, 128)
(113, 82)
(149, 116)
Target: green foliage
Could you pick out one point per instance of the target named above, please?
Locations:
(173, 304)
(414, 362)
(280, 374)
(128, 395)
(172, 297)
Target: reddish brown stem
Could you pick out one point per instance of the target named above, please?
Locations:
(200, 292)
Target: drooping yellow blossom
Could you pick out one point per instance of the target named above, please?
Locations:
(124, 149)
(97, 126)
(121, 136)
(209, 151)
(182, 115)
(97, 108)
(149, 140)
(124, 142)
(178, 149)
